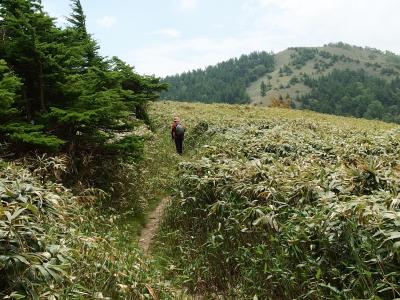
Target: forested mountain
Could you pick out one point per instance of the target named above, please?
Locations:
(295, 63)
(225, 82)
(301, 75)
(354, 93)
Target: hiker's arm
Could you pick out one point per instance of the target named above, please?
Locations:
(173, 131)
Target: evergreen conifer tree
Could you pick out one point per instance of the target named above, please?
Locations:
(263, 89)
(77, 18)
(80, 38)
(9, 85)
(28, 46)
(70, 95)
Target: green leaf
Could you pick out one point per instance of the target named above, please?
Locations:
(17, 213)
(318, 275)
(328, 286)
(393, 236)
(43, 271)
(15, 295)
(33, 209)
(21, 259)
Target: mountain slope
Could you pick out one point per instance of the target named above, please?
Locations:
(225, 82)
(354, 93)
(292, 205)
(294, 76)
(293, 63)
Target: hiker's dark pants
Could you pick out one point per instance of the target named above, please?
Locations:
(179, 145)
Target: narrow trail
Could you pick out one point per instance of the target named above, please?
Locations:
(159, 167)
(147, 235)
(151, 228)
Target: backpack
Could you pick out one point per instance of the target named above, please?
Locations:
(179, 130)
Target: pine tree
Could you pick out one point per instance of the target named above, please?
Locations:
(29, 47)
(9, 86)
(80, 39)
(77, 18)
(263, 89)
(71, 96)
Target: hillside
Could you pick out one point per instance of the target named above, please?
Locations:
(261, 209)
(226, 82)
(97, 200)
(292, 64)
(290, 79)
(295, 205)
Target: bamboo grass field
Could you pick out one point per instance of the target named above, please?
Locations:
(285, 204)
(254, 172)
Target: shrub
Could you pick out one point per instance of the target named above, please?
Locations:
(31, 260)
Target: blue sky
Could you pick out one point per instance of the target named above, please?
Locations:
(164, 37)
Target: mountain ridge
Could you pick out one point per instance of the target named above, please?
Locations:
(319, 62)
(292, 76)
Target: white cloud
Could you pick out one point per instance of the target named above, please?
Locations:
(299, 23)
(187, 5)
(276, 25)
(106, 22)
(187, 54)
(167, 32)
(360, 22)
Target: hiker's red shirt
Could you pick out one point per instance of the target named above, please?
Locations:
(173, 129)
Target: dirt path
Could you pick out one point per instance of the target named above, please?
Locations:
(152, 226)
(148, 234)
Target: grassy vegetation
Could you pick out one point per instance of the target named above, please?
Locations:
(54, 247)
(272, 203)
(283, 204)
(57, 244)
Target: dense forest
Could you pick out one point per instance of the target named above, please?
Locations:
(354, 93)
(226, 82)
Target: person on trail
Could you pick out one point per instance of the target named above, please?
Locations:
(177, 134)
